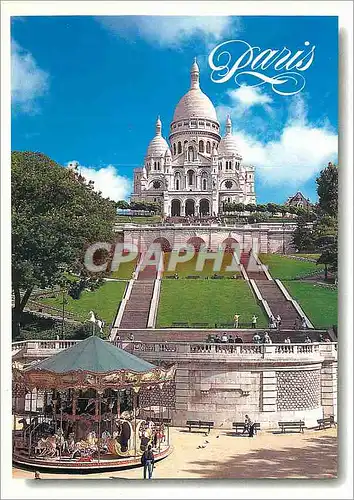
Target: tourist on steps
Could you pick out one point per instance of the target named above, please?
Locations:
(224, 338)
(254, 321)
(256, 339)
(267, 339)
(303, 323)
(278, 320)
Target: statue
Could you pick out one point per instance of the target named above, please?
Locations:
(96, 321)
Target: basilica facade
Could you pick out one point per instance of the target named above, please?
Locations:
(198, 170)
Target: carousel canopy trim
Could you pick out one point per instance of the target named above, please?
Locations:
(93, 355)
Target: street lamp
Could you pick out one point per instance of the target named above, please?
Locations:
(64, 301)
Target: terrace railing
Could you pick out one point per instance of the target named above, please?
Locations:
(181, 350)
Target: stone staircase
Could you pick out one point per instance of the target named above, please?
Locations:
(253, 275)
(278, 303)
(136, 312)
(272, 294)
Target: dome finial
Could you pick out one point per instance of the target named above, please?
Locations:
(158, 126)
(228, 125)
(195, 75)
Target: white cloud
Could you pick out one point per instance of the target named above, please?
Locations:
(249, 96)
(171, 31)
(108, 181)
(300, 150)
(28, 81)
(242, 99)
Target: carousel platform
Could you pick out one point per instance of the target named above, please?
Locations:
(63, 464)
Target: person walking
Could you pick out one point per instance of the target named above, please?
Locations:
(303, 323)
(236, 318)
(254, 321)
(278, 320)
(267, 339)
(147, 460)
(256, 338)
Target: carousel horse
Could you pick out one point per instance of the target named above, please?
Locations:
(47, 447)
(87, 446)
(99, 322)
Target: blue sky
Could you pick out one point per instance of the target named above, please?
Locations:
(89, 89)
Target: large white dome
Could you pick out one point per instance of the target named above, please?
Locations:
(195, 104)
(158, 144)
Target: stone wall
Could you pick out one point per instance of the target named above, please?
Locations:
(298, 390)
(267, 238)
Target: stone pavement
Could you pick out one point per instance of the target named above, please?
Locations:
(267, 455)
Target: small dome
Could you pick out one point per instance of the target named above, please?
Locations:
(228, 144)
(158, 145)
(195, 104)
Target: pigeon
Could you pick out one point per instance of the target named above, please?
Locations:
(206, 442)
(217, 437)
(201, 446)
(206, 434)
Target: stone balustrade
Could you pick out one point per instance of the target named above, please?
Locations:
(179, 350)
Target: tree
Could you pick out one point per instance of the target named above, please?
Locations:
(303, 236)
(56, 215)
(327, 189)
(122, 204)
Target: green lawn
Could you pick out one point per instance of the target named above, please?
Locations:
(103, 301)
(284, 268)
(207, 301)
(320, 304)
(313, 256)
(126, 219)
(184, 269)
(125, 270)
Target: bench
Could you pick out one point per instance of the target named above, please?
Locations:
(180, 324)
(323, 423)
(298, 425)
(239, 427)
(199, 325)
(193, 277)
(199, 424)
(217, 277)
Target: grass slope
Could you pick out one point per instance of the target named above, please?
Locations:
(184, 269)
(207, 301)
(284, 268)
(103, 301)
(320, 304)
(125, 270)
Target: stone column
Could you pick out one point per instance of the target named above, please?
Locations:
(269, 391)
(183, 208)
(182, 395)
(329, 388)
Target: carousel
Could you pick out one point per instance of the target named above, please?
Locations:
(90, 407)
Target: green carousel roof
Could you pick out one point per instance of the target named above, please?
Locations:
(94, 355)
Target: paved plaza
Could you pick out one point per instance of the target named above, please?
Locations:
(311, 455)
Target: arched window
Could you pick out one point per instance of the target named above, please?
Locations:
(201, 146)
(174, 149)
(208, 147)
(190, 177)
(190, 154)
(154, 165)
(158, 165)
(204, 184)
(177, 182)
(179, 148)
(185, 144)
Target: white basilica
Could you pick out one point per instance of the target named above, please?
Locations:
(199, 170)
